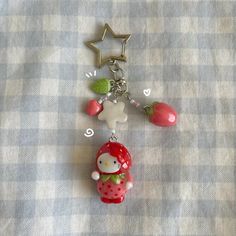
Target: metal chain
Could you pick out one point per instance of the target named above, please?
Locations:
(133, 102)
(118, 84)
(115, 68)
(113, 137)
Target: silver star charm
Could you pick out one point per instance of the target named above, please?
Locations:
(112, 113)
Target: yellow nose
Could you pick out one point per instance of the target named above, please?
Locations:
(106, 163)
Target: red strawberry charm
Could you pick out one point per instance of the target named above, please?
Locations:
(161, 114)
(93, 107)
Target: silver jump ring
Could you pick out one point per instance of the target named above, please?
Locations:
(113, 138)
(119, 87)
(115, 68)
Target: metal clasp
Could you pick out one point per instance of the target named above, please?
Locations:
(99, 57)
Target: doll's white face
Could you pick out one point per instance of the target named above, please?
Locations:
(107, 163)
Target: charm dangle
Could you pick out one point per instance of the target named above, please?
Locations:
(112, 113)
(113, 160)
(161, 114)
(101, 86)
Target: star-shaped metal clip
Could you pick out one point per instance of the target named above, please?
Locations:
(100, 60)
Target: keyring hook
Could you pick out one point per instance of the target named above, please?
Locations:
(102, 61)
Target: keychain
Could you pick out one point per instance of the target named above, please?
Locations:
(113, 160)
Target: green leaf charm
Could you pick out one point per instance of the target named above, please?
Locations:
(101, 86)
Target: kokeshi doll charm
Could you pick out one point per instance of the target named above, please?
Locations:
(113, 162)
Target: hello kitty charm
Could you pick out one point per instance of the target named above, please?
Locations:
(113, 162)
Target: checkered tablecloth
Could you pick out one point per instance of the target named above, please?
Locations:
(184, 176)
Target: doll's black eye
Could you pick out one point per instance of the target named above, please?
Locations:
(100, 162)
(114, 162)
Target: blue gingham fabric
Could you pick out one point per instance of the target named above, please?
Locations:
(184, 176)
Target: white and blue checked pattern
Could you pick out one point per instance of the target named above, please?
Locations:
(184, 176)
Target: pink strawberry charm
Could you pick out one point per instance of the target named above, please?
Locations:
(112, 172)
(161, 114)
(93, 107)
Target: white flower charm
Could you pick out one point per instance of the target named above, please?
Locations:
(112, 113)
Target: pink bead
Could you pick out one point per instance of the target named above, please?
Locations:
(93, 107)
